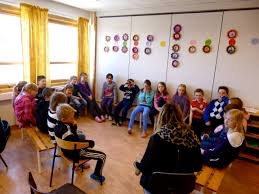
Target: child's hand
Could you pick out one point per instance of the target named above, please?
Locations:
(208, 123)
(90, 97)
(194, 108)
(218, 129)
(202, 151)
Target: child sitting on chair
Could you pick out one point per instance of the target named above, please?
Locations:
(42, 109)
(223, 146)
(66, 129)
(25, 105)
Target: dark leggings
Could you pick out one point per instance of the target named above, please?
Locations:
(93, 107)
(106, 105)
(123, 106)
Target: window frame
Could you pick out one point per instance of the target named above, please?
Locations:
(15, 11)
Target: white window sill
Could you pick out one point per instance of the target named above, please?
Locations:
(6, 96)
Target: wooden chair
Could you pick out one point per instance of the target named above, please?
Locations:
(65, 189)
(68, 145)
(171, 183)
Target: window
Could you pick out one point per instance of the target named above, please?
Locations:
(63, 49)
(11, 63)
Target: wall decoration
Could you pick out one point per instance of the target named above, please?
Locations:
(232, 33)
(174, 55)
(147, 51)
(255, 41)
(175, 63)
(115, 48)
(116, 37)
(135, 50)
(206, 49)
(106, 49)
(192, 49)
(148, 43)
(135, 43)
(231, 48)
(135, 56)
(177, 28)
(107, 38)
(193, 42)
(177, 36)
(124, 43)
(163, 43)
(124, 49)
(136, 37)
(176, 47)
(125, 37)
(150, 38)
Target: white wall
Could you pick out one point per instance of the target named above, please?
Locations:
(207, 71)
(240, 70)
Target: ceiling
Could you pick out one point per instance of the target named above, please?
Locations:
(132, 7)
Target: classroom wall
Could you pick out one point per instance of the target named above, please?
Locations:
(238, 71)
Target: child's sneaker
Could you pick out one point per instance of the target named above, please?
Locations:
(106, 116)
(103, 118)
(115, 123)
(129, 131)
(101, 179)
(144, 134)
(98, 120)
(110, 118)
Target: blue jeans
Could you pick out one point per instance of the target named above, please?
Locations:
(138, 109)
(123, 106)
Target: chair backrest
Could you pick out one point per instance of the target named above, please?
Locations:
(33, 186)
(70, 145)
(4, 134)
(167, 183)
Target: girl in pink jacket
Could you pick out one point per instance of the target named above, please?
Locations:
(25, 105)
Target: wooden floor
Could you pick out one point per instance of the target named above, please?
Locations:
(121, 150)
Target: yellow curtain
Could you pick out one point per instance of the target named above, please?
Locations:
(34, 25)
(83, 46)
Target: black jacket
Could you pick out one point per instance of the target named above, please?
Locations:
(163, 156)
(42, 115)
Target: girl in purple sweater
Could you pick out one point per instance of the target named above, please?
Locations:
(87, 95)
(181, 100)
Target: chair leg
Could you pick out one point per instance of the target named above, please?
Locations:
(3, 161)
(73, 172)
(39, 162)
(52, 169)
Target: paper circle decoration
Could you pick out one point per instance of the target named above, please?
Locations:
(135, 56)
(177, 36)
(208, 42)
(206, 49)
(232, 33)
(116, 37)
(163, 43)
(255, 41)
(135, 50)
(176, 47)
(175, 63)
(125, 43)
(147, 51)
(232, 41)
(115, 48)
(174, 55)
(193, 42)
(148, 43)
(107, 38)
(136, 37)
(124, 49)
(106, 49)
(125, 37)
(231, 49)
(177, 28)
(150, 38)
(135, 43)
(192, 49)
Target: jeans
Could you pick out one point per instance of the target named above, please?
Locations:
(123, 106)
(138, 109)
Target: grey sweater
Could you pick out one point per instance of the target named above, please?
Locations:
(110, 91)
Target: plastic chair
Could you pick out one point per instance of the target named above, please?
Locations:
(171, 183)
(68, 145)
(4, 136)
(65, 189)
